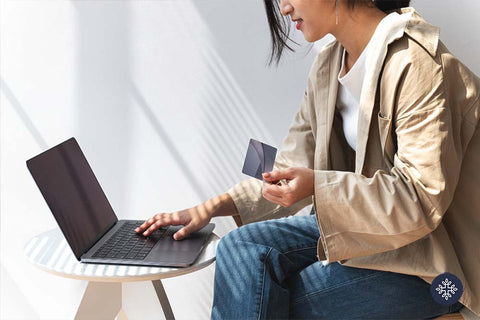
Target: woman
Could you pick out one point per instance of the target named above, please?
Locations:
(386, 145)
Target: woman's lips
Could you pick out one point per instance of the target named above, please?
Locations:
(299, 23)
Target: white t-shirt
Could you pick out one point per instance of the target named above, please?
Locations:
(348, 96)
(350, 85)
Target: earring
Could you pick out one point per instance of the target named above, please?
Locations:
(336, 12)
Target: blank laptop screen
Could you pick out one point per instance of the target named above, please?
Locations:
(73, 194)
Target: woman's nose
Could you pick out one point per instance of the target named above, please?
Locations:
(285, 7)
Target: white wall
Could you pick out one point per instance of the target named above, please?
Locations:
(163, 97)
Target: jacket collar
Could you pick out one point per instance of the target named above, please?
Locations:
(422, 32)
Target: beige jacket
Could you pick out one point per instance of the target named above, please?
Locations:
(408, 200)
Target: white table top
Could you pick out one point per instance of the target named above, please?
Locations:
(50, 251)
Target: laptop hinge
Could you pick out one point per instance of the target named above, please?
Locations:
(100, 235)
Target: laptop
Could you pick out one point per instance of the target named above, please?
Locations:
(89, 223)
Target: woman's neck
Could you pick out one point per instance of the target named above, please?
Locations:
(355, 29)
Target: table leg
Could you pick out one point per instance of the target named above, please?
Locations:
(101, 300)
(162, 296)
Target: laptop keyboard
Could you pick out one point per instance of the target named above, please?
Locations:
(125, 243)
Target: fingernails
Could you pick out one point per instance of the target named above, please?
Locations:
(266, 175)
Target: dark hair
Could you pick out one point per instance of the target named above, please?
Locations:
(280, 26)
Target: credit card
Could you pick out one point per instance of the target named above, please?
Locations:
(259, 159)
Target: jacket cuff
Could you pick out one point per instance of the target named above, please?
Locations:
(244, 195)
(323, 199)
(252, 206)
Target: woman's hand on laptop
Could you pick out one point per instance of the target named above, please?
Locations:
(192, 219)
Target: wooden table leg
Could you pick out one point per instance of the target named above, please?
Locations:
(162, 296)
(101, 300)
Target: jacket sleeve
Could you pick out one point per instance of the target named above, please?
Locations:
(360, 216)
(297, 150)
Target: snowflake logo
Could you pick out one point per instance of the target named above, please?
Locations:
(446, 289)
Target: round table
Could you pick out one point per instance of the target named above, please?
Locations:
(50, 252)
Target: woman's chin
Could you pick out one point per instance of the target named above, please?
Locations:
(312, 38)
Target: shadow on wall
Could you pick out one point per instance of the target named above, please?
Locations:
(241, 39)
(103, 106)
(167, 141)
(32, 129)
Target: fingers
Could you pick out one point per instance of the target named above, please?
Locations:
(144, 226)
(166, 219)
(276, 175)
(192, 219)
(276, 190)
(273, 193)
(154, 226)
(283, 195)
(185, 231)
(274, 199)
(300, 184)
(158, 221)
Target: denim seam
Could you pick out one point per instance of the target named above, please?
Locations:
(259, 244)
(299, 249)
(336, 286)
(263, 284)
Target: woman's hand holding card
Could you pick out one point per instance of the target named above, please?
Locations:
(298, 185)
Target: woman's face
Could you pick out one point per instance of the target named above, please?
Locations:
(315, 18)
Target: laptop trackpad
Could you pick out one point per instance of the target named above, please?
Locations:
(183, 252)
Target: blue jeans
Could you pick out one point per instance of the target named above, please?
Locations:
(270, 270)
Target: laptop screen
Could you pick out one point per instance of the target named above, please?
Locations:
(73, 194)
